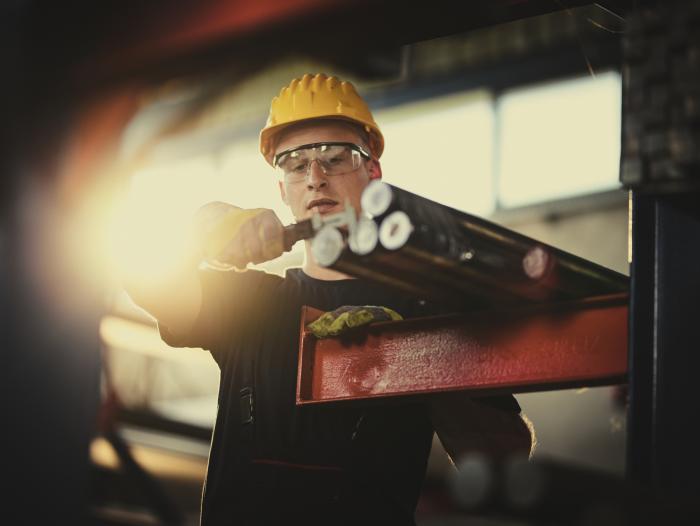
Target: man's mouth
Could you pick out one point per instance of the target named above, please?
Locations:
(321, 205)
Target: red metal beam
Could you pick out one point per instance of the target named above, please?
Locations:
(566, 345)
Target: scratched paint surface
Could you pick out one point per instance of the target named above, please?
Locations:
(509, 353)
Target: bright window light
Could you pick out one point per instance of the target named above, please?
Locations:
(246, 180)
(237, 174)
(149, 226)
(442, 149)
(559, 140)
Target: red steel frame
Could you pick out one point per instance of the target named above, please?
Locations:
(566, 345)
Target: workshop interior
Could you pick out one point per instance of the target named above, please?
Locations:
(560, 138)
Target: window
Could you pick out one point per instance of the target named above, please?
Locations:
(559, 140)
(442, 149)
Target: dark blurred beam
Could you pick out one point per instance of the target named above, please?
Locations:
(146, 484)
(544, 491)
(660, 163)
(664, 361)
(88, 45)
(154, 422)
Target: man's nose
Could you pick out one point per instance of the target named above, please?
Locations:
(316, 178)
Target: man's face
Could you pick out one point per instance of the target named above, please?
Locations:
(320, 192)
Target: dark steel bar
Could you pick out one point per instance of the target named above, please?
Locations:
(438, 272)
(495, 253)
(329, 245)
(472, 261)
(383, 267)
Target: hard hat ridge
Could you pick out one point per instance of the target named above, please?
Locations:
(318, 97)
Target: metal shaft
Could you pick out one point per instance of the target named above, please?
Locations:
(425, 238)
(331, 249)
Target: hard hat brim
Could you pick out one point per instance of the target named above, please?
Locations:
(267, 134)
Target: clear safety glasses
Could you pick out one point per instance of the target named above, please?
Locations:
(334, 158)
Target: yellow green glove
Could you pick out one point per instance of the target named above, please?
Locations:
(347, 317)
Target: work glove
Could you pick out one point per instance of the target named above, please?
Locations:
(347, 317)
(229, 236)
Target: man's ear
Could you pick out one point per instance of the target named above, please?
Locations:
(283, 192)
(374, 168)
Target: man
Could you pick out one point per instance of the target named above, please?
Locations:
(270, 461)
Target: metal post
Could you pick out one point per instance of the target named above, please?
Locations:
(661, 163)
(664, 343)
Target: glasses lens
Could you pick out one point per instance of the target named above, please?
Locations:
(295, 165)
(338, 159)
(334, 159)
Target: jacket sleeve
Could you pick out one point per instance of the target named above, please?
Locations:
(232, 304)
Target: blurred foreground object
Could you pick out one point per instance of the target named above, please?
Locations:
(551, 492)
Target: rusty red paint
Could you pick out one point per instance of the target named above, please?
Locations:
(567, 345)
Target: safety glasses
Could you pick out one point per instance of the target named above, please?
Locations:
(334, 158)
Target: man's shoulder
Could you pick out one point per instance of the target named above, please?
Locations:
(293, 274)
(236, 277)
(248, 287)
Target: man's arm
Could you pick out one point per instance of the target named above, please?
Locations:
(221, 233)
(174, 298)
(465, 425)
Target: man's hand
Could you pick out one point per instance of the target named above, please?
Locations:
(231, 236)
(348, 317)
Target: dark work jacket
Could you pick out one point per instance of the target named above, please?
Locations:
(330, 464)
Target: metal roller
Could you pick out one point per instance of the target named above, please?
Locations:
(365, 237)
(500, 265)
(327, 245)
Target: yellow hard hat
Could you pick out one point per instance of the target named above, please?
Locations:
(318, 97)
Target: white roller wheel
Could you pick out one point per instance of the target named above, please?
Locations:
(376, 198)
(395, 230)
(327, 246)
(365, 238)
